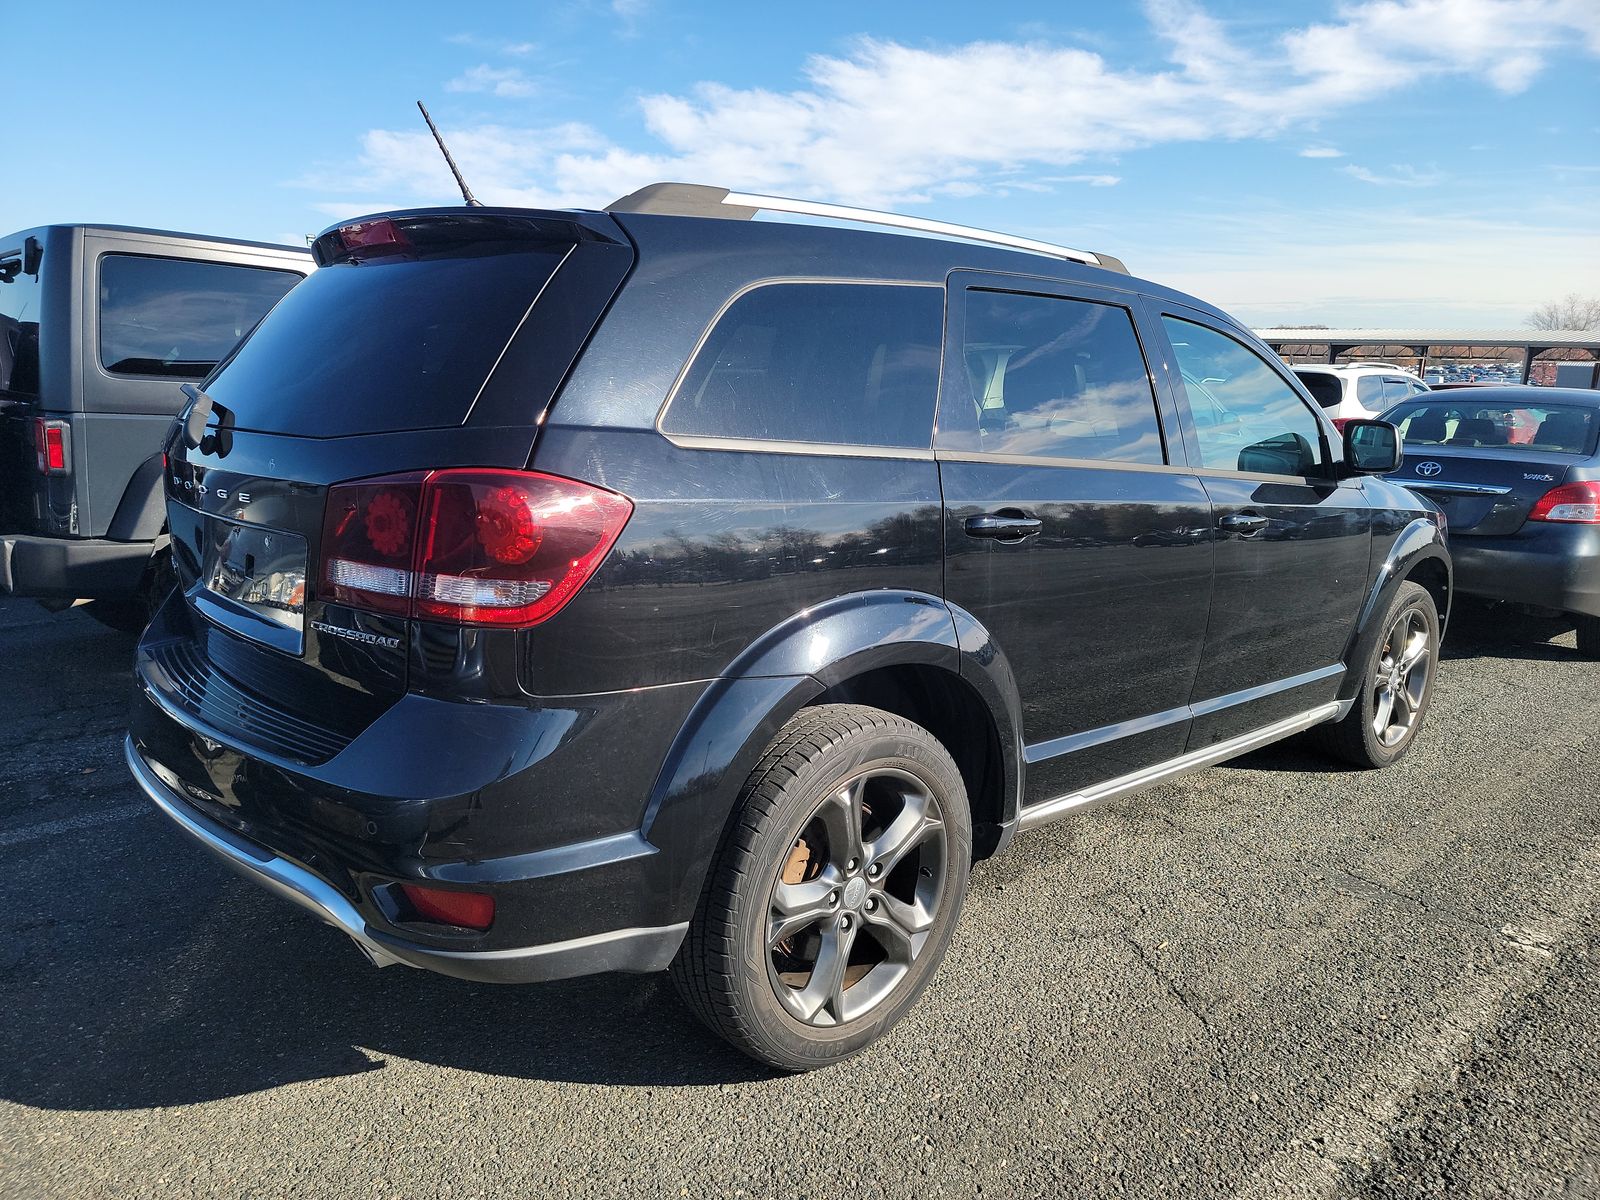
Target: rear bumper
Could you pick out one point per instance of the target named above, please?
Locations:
(632, 949)
(1544, 564)
(71, 568)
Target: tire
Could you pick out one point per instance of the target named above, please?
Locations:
(1588, 636)
(1357, 738)
(790, 894)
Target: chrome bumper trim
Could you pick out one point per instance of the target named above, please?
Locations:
(638, 949)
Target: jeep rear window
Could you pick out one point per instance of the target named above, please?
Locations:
(840, 364)
(402, 339)
(177, 318)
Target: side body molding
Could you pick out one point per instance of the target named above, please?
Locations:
(780, 673)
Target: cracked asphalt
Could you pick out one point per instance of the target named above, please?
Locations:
(1275, 978)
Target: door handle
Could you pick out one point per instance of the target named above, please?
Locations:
(1244, 524)
(1007, 525)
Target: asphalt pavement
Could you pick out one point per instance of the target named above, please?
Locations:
(1276, 978)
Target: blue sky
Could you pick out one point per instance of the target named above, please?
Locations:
(1374, 162)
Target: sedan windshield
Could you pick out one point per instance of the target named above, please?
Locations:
(1558, 428)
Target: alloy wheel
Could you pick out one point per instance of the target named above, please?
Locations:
(1401, 680)
(856, 897)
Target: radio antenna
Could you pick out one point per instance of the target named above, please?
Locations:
(466, 192)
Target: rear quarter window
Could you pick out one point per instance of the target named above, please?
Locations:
(1327, 390)
(822, 363)
(177, 318)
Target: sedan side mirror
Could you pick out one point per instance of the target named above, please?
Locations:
(1371, 447)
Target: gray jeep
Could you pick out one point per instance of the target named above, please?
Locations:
(99, 327)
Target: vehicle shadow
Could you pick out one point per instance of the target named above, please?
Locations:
(1478, 630)
(251, 995)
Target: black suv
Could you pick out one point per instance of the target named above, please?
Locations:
(566, 592)
(97, 325)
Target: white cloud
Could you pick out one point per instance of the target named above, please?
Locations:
(1399, 175)
(888, 123)
(493, 45)
(497, 81)
(1321, 152)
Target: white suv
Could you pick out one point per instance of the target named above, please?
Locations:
(1357, 392)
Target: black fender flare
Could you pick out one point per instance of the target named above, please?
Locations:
(1421, 540)
(141, 514)
(787, 668)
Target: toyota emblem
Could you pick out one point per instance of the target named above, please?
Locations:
(1428, 469)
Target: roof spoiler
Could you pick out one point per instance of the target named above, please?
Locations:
(702, 200)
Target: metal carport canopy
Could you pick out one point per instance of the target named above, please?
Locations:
(1532, 342)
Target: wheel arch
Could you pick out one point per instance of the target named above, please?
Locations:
(906, 652)
(1417, 555)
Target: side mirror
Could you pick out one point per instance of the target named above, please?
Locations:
(1371, 447)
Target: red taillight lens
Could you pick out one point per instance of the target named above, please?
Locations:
(1340, 422)
(369, 533)
(1572, 503)
(50, 446)
(475, 547)
(470, 910)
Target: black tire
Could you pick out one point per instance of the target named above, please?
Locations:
(1588, 636)
(1356, 738)
(827, 761)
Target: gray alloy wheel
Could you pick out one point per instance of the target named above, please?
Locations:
(1405, 669)
(1398, 666)
(854, 901)
(835, 891)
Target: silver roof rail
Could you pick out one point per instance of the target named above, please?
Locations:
(702, 200)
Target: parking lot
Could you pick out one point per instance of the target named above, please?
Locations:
(1275, 978)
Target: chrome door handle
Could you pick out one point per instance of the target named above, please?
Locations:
(1244, 524)
(1008, 525)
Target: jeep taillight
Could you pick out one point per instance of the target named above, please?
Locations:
(1571, 503)
(469, 546)
(50, 446)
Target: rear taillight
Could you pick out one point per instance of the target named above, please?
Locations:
(1340, 422)
(473, 547)
(469, 910)
(50, 446)
(1573, 503)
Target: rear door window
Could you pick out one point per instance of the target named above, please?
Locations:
(819, 363)
(1326, 389)
(1054, 377)
(1246, 416)
(1369, 392)
(175, 318)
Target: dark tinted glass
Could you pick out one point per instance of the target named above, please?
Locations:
(808, 362)
(1246, 417)
(1325, 389)
(19, 329)
(1058, 378)
(384, 344)
(178, 319)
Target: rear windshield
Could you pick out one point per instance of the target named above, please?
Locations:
(19, 327)
(1325, 389)
(176, 318)
(396, 341)
(1559, 428)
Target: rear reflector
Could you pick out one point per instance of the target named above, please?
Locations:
(470, 910)
(473, 547)
(1571, 503)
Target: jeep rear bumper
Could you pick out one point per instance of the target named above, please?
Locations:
(71, 568)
